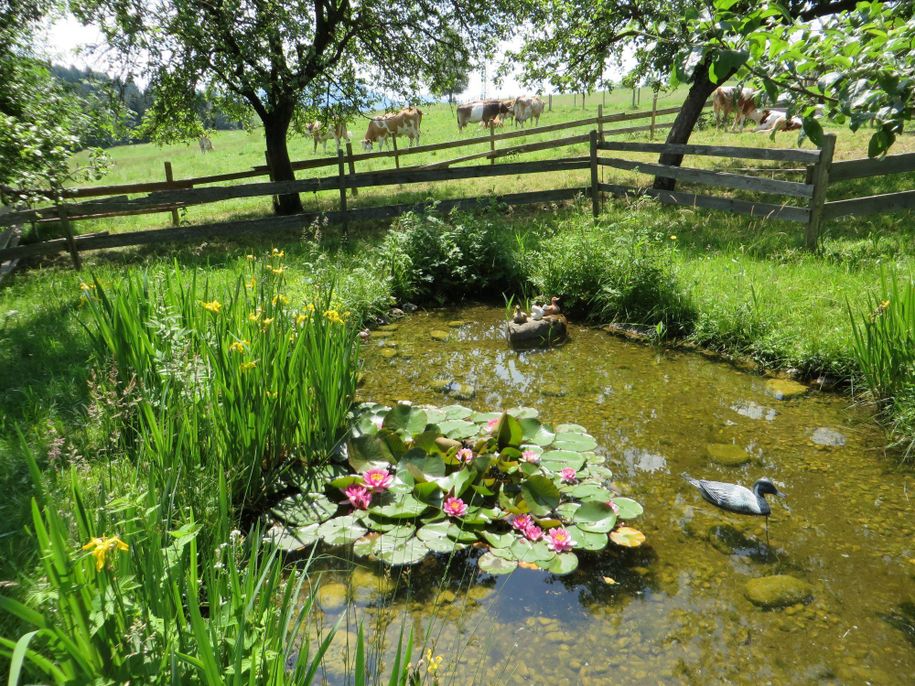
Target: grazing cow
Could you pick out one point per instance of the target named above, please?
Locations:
(497, 122)
(742, 102)
(407, 123)
(527, 107)
(480, 111)
(206, 145)
(778, 120)
(322, 134)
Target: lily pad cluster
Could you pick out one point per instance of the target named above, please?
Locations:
(420, 480)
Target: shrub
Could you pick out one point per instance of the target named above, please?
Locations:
(447, 259)
(617, 271)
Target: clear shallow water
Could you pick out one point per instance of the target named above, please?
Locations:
(677, 611)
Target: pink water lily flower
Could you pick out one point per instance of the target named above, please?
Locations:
(532, 532)
(359, 496)
(465, 455)
(492, 424)
(454, 507)
(568, 476)
(530, 456)
(560, 540)
(521, 522)
(377, 480)
(613, 506)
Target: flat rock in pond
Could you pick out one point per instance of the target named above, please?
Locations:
(541, 333)
(727, 454)
(456, 323)
(332, 595)
(780, 590)
(827, 437)
(785, 389)
(388, 353)
(438, 335)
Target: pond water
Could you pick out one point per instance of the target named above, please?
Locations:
(675, 610)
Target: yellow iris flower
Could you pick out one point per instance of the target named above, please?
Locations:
(245, 366)
(101, 546)
(213, 306)
(434, 662)
(239, 346)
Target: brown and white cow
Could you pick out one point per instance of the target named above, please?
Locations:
(778, 120)
(497, 123)
(321, 133)
(742, 102)
(206, 145)
(407, 123)
(527, 107)
(481, 111)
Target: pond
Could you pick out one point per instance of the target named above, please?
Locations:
(675, 610)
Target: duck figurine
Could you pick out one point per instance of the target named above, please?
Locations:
(553, 307)
(520, 317)
(736, 498)
(536, 312)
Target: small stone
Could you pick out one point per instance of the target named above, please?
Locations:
(332, 595)
(463, 391)
(446, 597)
(785, 389)
(438, 335)
(552, 390)
(727, 454)
(456, 323)
(396, 313)
(779, 590)
(389, 353)
(827, 437)
(409, 307)
(540, 333)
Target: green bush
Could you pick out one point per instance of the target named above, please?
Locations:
(617, 271)
(432, 259)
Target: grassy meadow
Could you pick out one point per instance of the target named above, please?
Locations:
(96, 446)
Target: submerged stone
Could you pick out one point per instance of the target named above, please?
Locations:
(462, 391)
(827, 437)
(727, 454)
(785, 389)
(780, 590)
(332, 595)
(388, 353)
(542, 333)
(456, 323)
(438, 335)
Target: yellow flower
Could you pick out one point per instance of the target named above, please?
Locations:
(239, 346)
(272, 394)
(252, 282)
(884, 305)
(278, 253)
(266, 323)
(86, 287)
(255, 316)
(101, 546)
(301, 319)
(213, 306)
(434, 662)
(333, 316)
(280, 298)
(673, 238)
(276, 271)
(310, 307)
(245, 366)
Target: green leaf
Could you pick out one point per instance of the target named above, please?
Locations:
(422, 467)
(571, 428)
(587, 540)
(341, 530)
(304, 508)
(406, 418)
(509, 432)
(563, 563)
(457, 412)
(590, 491)
(557, 460)
(525, 551)
(540, 494)
(628, 508)
(491, 564)
(291, 539)
(535, 432)
(398, 506)
(726, 63)
(579, 442)
(595, 517)
(522, 413)
(404, 552)
(813, 130)
(368, 452)
(498, 540)
(458, 429)
(430, 493)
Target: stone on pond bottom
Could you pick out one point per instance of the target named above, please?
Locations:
(727, 454)
(780, 590)
(438, 335)
(540, 333)
(785, 389)
(827, 437)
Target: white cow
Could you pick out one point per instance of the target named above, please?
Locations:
(527, 107)
(407, 123)
(322, 134)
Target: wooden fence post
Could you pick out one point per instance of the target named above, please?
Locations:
(396, 155)
(600, 123)
(170, 177)
(595, 190)
(341, 174)
(820, 180)
(352, 165)
(582, 101)
(638, 96)
(71, 241)
(550, 106)
(654, 109)
(492, 141)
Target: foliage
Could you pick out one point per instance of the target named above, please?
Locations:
(620, 271)
(437, 259)
(431, 480)
(243, 383)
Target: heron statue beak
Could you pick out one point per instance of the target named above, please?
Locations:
(780, 494)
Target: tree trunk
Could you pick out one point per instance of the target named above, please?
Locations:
(275, 130)
(699, 92)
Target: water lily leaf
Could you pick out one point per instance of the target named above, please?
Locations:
(429, 493)
(529, 469)
(427, 440)
(599, 472)
(367, 424)
(503, 553)
(303, 509)
(407, 552)
(398, 506)
(491, 564)
(368, 452)
(457, 482)
(628, 508)
(535, 432)
(365, 545)
(393, 441)
(564, 563)
(343, 481)
(291, 539)
(434, 530)
(540, 494)
(509, 432)
(456, 412)
(571, 428)
(567, 510)
(458, 428)
(433, 414)
(422, 467)
(627, 537)
(587, 540)
(596, 517)
(498, 540)
(341, 530)
(574, 441)
(557, 460)
(523, 412)
(525, 551)
(590, 491)
(462, 534)
(406, 418)
(484, 417)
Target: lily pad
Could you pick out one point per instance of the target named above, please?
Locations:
(369, 452)
(491, 564)
(540, 494)
(590, 491)
(595, 517)
(727, 454)
(365, 545)
(408, 552)
(291, 539)
(341, 530)
(522, 413)
(422, 467)
(498, 540)
(399, 507)
(525, 551)
(457, 412)
(458, 428)
(627, 537)
(535, 432)
(434, 415)
(557, 460)
(571, 428)
(628, 508)
(509, 432)
(587, 540)
(574, 441)
(304, 508)
(406, 418)
(564, 563)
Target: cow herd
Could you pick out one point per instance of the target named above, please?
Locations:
(744, 104)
